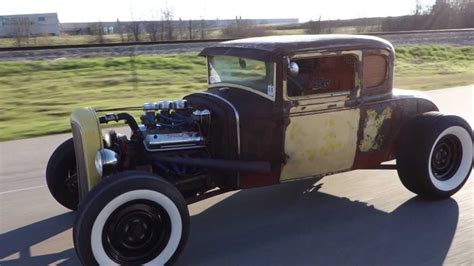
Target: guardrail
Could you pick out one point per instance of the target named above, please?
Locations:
(105, 45)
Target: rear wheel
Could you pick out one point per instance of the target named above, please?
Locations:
(132, 218)
(61, 175)
(435, 154)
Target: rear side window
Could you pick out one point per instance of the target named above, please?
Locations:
(375, 70)
(323, 75)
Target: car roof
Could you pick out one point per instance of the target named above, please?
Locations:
(273, 47)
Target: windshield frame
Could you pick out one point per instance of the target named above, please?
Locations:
(239, 86)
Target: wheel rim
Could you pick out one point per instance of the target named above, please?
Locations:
(136, 232)
(71, 180)
(446, 158)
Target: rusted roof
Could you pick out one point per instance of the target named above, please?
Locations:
(273, 47)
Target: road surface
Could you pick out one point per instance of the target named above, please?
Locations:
(360, 217)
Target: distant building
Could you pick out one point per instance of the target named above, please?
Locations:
(29, 25)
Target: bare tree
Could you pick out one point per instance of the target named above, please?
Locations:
(181, 29)
(190, 29)
(243, 28)
(314, 26)
(98, 32)
(329, 27)
(134, 30)
(119, 28)
(203, 29)
(443, 14)
(466, 13)
(418, 8)
(167, 18)
(21, 29)
(153, 29)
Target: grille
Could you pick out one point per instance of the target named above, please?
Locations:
(80, 161)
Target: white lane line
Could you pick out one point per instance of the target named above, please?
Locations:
(21, 189)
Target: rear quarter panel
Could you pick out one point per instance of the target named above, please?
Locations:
(380, 124)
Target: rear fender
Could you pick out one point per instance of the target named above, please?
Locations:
(380, 125)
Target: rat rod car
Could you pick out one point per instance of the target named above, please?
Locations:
(277, 109)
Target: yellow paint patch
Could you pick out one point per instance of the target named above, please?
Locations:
(321, 143)
(372, 125)
(88, 131)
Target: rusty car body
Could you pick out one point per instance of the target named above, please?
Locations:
(355, 128)
(277, 109)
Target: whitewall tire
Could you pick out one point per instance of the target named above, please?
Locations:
(435, 154)
(132, 218)
(461, 168)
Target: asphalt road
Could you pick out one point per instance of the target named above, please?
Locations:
(357, 218)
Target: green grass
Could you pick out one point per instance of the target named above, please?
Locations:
(429, 67)
(58, 40)
(36, 97)
(86, 39)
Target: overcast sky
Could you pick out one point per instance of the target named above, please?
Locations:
(111, 10)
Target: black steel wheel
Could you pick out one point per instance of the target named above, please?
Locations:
(131, 218)
(435, 153)
(136, 231)
(61, 175)
(446, 157)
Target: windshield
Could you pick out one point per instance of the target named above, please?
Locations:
(253, 74)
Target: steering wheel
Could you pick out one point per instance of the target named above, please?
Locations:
(297, 85)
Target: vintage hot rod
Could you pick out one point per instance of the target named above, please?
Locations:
(277, 109)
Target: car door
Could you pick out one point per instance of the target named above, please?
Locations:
(321, 136)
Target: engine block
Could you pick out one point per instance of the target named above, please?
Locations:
(173, 125)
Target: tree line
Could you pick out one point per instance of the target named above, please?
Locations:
(166, 28)
(443, 14)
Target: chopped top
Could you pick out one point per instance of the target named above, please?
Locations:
(273, 47)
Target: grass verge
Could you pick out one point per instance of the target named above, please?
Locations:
(38, 96)
(433, 67)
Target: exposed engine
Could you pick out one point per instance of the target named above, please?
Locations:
(171, 133)
(173, 125)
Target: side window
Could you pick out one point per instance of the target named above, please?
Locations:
(375, 69)
(332, 74)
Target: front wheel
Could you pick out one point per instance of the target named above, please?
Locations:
(435, 153)
(61, 175)
(131, 218)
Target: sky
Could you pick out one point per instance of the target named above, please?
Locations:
(304, 10)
